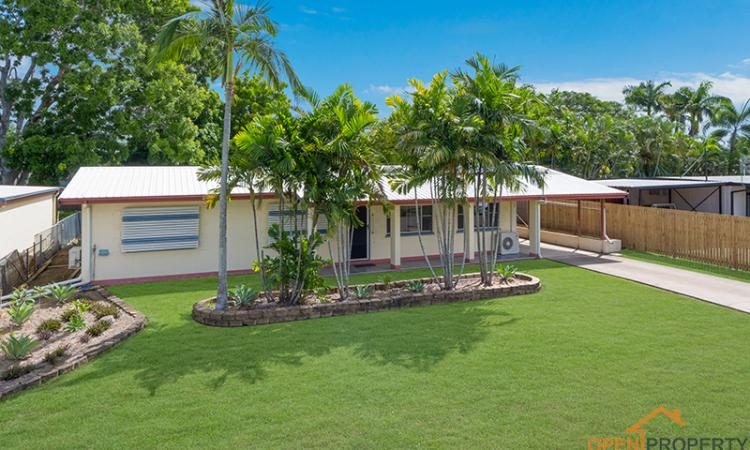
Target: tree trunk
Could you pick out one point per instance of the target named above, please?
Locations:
(221, 290)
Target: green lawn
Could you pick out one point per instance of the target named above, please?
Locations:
(687, 264)
(588, 355)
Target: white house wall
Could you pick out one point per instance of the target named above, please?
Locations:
(22, 219)
(110, 263)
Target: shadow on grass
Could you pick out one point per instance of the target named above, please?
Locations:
(416, 339)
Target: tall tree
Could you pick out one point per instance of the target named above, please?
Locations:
(697, 104)
(241, 37)
(647, 95)
(732, 124)
(497, 148)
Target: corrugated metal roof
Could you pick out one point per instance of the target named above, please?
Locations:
(133, 183)
(9, 194)
(662, 183)
(109, 184)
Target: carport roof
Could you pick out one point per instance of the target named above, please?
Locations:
(660, 183)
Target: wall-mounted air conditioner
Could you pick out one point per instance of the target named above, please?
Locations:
(509, 243)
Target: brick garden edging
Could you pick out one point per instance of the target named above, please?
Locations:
(204, 313)
(48, 371)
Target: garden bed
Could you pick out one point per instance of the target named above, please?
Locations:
(382, 296)
(105, 322)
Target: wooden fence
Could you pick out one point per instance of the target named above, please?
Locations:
(711, 238)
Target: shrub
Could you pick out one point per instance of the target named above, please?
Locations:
(507, 273)
(61, 293)
(363, 291)
(244, 295)
(415, 286)
(17, 371)
(17, 348)
(82, 305)
(75, 323)
(46, 329)
(68, 313)
(20, 295)
(98, 328)
(101, 309)
(20, 312)
(56, 355)
(387, 281)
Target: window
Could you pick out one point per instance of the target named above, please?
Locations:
(154, 229)
(460, 214)
(488, 215)
(409, 222)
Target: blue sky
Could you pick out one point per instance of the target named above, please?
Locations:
(594, 46)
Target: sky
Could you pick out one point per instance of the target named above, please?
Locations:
(592, 46)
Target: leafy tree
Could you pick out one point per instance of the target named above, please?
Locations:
(732, 124)
(647, 96)
(75, 89)
(240, 37)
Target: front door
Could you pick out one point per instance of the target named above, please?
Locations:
(360, 237)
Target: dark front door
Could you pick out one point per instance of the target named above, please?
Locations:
(360, 237)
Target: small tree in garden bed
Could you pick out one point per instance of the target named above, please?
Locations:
(317, 164)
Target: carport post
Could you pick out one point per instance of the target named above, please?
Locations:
(602, 221)
(396, 237)
(578, 220)
(535, 228)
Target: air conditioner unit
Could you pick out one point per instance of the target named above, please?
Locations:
(509, 243)
(74, 257)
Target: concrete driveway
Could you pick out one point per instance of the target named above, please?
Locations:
(721, 291)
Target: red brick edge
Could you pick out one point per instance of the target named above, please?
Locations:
(203, 313)
(47, 371)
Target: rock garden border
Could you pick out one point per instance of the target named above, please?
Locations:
(204, 313)
(48, 372)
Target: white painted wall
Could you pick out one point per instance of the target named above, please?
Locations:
(21, 220)
(106, 225)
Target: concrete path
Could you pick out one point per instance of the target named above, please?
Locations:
(721, 291)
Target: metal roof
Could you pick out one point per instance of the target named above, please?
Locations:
(659, 183)
(9, 194)
(557, 185)
(676, 182)
(139, 184)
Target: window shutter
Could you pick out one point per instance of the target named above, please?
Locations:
(164, 228)
(275, 214)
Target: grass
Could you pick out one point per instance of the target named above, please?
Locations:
(587, 356)
(687, 264)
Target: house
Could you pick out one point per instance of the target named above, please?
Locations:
(150, 223)
(713, 194)
(24, 212)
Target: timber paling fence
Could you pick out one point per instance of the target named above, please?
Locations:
(710, 238)
(18, 266)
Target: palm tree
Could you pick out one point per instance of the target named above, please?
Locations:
(647, 95)
(241, 38)
(696, 104)
(732, 123)
(497, 153)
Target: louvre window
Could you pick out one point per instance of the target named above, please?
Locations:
(165, 228)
